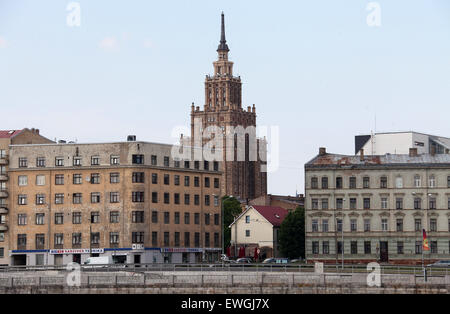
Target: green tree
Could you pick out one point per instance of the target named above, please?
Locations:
(292, 234)
(231, 209)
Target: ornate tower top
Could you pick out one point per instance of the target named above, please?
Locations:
(223, 42)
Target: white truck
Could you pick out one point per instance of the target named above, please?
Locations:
(101, 261)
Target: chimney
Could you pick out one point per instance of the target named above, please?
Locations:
(322, 151)
(131, 138)
(361, 154)
(413, 152)
(37, 131)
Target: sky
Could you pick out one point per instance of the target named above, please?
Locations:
(321, 71)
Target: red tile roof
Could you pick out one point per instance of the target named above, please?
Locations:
(9, 133)
(274, 214)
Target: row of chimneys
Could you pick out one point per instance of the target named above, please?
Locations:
(412, 152)
(35, 131)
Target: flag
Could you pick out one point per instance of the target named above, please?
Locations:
(425, 241)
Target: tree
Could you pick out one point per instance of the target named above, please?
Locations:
(231, 209)
(292, 234)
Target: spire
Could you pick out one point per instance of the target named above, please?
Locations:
(223, 42)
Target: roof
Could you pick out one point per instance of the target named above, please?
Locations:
(9, 133)
(274, 214)
(379, 160)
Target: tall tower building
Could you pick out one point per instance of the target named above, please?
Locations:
(242, 177)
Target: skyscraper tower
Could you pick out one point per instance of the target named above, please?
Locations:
(223, 108)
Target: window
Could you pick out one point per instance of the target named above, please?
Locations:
(366, 182)
(154, 216)
(324, 182)
(433, 225)
(384, 203)
(417, 181)
(399, 203)
(448, 181)
(339, 225)
(166, 161)
(339, 183)
(207, 219)
(366, 202)
(418, 247)
(325, 247)
(166, 179)
(23, 180)
(207, 203)
(40, 180)
(176, 179)
(95, 178)
(138, 159)
(59, 179)
(23, 162)
(353, 203)
(176, 163)
(339, 203)
(154, 197)
(59, 161)
(154, 160)
(40, 219)
(383, 182)
(176, 198)
(366, 225)
(315, 225)
(114, 238)
(114, 177)
(367, 247)
(22, 219)
(137, 197)
(196, 199)
(247, 219)
(40, 162)
(353, 225)
(77, 161)
(166, 239)
(216, 166)
(166, 218)
(207, 239)
(186, 164)
(77, 198)
(59, 238)
(22, 199)
(418, 224)
(95, 237)
(76, 218)
(40, 199)
(137, 216)
(40, 241)
(139, 177)
(95, 160)
(186, 181)
(315, 247)
(187, 218)
(354, 247)
(400, 247)
(186, 199)
(197, 239)
(247, 233)
(177, 239)
(114, 217)
(196, 182)
(207, 182)
(206, 165)
(434, 247)
(95, 217)
(399, 182)
(384, 224)
(314, 183)
(315, 203)
(216, 183)
(197, 164)
(197, 218)
(216, 219)
(21, 240)
(154, 178)
(352, 182)
(325, 225)
(417, 203)
(95, 197)
(325, 203)
(216, 239)
(114, 197)
(115, 160)
(432, 202)
(166, 198)
(432, 181)
(59, 218)
(154, 238)
(399, 225)
(77, 179)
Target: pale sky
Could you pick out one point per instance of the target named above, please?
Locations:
(315, 68)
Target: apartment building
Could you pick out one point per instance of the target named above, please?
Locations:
(129, 200)
(8, 137)
(374, 208)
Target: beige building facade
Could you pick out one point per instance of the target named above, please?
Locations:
(129, 200)
(377, 206)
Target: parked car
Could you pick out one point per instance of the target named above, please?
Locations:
(276, 260)
(445, 263)
(244, 260)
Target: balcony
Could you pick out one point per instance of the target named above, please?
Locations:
(3, 177)
(3, 193)
(3, 210)
(4, 160)
(3, 227)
